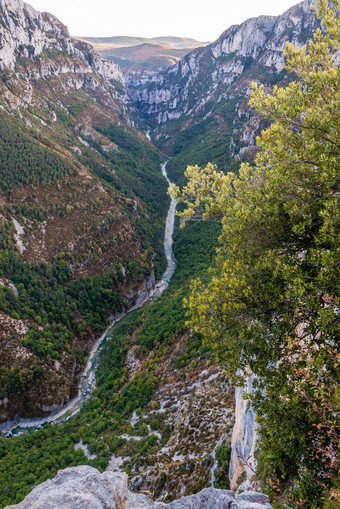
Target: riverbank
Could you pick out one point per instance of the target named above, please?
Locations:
(87, 378)
(151, 356)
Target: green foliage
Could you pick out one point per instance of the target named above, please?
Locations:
(154, 424)
(6, 235)
(143, 430)
(30, 459)
(202, 142)
(137, 393)
(222, 472)
(13, 380)
(60, 308)
(165, 319)
(134, 169)
(48, 341)
(31, 463)
(48, 292)
(137, 167)
(272, 302)
(25, 161)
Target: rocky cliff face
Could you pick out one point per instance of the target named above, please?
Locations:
(242, 466)
(211, 85)
(26, 33)
(85, 487)
(36, 46)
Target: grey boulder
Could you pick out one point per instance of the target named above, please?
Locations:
(85, 488)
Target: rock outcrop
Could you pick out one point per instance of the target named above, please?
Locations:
(242, 464)
(210, 86)
(37, 46)
(27, 33)
(85, 487)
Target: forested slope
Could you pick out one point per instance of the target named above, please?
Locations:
(79, 240)
(82, 208)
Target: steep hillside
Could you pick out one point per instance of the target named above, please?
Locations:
(81, 207)
(198, 108)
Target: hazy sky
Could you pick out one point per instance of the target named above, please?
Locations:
(202, 20)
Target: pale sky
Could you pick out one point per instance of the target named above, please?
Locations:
(201, 20)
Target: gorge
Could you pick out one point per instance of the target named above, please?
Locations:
(88, 234)
(87, 377)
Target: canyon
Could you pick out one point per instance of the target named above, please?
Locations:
(90, 237)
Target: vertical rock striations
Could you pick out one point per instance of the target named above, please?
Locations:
(242, 464)
(37, 46)
(210, 86)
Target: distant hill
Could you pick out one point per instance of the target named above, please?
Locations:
(179, 42)
(125, 41)
(141, 53)
(145, 56)
(115, 42)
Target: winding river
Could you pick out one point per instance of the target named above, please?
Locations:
(168, 240)
(87, 379)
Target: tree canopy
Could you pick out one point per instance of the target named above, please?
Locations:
(272, 302)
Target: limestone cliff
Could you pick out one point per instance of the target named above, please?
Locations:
(37, 46)
(242, 464)
(209, 88)
(85, 487)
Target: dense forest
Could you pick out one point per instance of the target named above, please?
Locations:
(24, 160)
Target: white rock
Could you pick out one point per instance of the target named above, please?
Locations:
(28, 36)
(19, 233)
(85, 488)
(82, 487)
(258, 43)
(243, 441)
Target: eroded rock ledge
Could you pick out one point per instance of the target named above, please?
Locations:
(87, 488)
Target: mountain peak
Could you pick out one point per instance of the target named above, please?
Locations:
(34, 40)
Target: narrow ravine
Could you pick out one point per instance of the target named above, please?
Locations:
(87, 378)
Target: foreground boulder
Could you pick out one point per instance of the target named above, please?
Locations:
(86, 488)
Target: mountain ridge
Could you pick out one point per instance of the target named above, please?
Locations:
(67, 99)
(208, 89)
(140, 54)
(125, 40)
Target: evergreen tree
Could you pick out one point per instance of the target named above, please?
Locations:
(272, 302)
